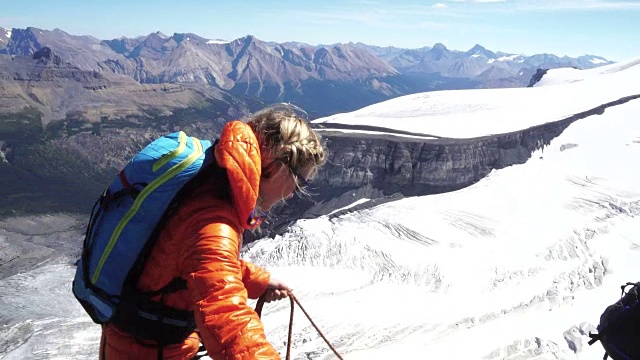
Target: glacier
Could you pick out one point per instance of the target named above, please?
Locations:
(517, 266)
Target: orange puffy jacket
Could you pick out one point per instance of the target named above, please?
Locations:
(201, 243)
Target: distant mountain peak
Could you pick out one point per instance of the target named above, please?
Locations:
(245, 40)
(31, 29)
(476, 48)
(157, 35)
(180, 37)
(361, 44)
(439, 46)
(295, 44)
(592, 59)
(480, 51)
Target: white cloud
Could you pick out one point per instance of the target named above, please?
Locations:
(593, 4)
(561, 4)
(479, 1)
(440, 6)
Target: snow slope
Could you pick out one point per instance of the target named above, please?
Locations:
(571, 75)
(473, 113)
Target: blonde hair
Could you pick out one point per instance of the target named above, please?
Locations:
(285, 135)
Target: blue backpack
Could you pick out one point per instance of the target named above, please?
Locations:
(120, 235)
(619, 328)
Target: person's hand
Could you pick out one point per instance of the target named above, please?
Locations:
(276, 290)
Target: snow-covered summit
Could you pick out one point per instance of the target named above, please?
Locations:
(570, 75)
(472, 113)
(217, 41)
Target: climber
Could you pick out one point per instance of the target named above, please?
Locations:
(257, 165)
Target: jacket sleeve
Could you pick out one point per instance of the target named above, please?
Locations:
(227, 324)
(255, 279)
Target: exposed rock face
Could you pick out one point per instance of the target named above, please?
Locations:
(418, 167)
(84, 52)
(59, 90)
(537, 77)
(5, 35)
(22, 41)
(46, 56)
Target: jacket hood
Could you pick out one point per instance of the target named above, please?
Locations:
(238, 152)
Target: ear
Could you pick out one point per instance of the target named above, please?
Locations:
(272, 169)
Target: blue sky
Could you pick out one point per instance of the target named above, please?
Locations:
(608, 28)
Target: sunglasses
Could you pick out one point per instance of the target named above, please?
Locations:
(301, 181)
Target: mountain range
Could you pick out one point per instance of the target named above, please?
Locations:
(324, 79)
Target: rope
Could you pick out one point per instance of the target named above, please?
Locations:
(293, 299)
